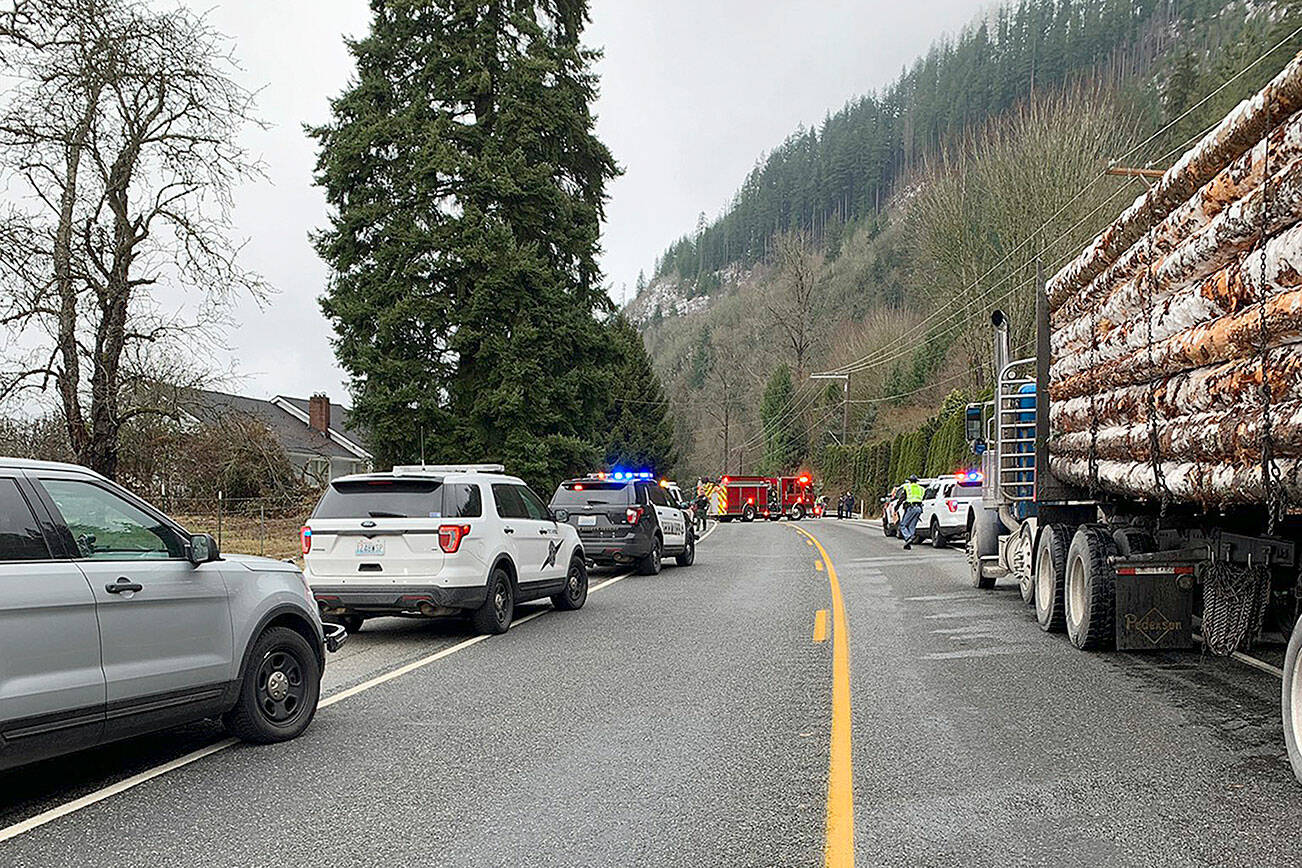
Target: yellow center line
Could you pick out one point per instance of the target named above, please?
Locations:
(818, 565)
(820, 625)
(839, 852)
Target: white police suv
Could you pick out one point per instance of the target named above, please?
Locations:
(428, 541)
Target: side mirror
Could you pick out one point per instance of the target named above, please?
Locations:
(972, 423)
(202, 549)
(561, 515)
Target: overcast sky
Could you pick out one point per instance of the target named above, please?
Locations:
(693, 92)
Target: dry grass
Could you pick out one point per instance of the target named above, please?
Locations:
(274, 537)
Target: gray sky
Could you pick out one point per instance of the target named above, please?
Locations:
(692, 93)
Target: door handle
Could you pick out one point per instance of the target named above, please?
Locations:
(123, 584)
(544, 531)
(509, 529)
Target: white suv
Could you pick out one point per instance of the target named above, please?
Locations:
(432, 541)
(947, 507)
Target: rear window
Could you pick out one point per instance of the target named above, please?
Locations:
(582, 492)
(20, 538)
(382, 498)
(973, 485)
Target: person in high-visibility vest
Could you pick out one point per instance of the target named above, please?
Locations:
(912, 511)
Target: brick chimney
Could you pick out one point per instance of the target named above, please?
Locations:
(318, 413)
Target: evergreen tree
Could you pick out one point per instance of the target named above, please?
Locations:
(467, 189)
(640, 431)
(784, 438)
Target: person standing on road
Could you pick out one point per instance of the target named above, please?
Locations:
(912, 511)
(702, 506)
(840, 506)
(849, 504)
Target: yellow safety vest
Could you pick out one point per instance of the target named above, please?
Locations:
(913, 492)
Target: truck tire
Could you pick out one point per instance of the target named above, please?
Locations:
(1291, 699)
(938, 540)
(495, 615)
(649, 564)
(576, 587)
(797, 512)
(279, 691)
(748, 514)
(1089, 592)
(982, 541)
(1050, 573)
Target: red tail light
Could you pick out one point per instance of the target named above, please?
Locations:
(305, 537)
(633, 514)
(451, 535)
(952, 505)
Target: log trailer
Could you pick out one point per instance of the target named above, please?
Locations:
(1143, 470)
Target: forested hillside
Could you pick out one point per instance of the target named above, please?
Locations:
(876, 243)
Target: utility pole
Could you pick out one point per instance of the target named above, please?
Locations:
(845, 402)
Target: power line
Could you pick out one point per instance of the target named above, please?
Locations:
(975, 284)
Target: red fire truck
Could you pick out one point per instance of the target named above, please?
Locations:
(743, 497)
(797, 496)
(771, 497)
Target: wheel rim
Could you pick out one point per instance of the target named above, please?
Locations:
(1044, 584)
(282, 687)
(501, 601)
(1076, 591)
(575, 584)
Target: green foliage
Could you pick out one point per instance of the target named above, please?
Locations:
(640, 432)
(871, 469)
(784, 436)
(467, 189)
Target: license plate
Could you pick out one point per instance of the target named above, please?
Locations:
(587, 521)
(370, 547)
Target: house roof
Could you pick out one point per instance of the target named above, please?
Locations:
(285, 418)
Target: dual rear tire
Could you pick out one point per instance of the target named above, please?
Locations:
(1089, 590)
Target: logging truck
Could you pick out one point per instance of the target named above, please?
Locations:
(1143, 469)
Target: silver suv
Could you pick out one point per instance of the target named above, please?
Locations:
(114, 621)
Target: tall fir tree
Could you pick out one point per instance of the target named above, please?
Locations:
(784, 437)
(467, 189)
(640, 429)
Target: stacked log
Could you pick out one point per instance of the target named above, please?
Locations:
(1176, 335)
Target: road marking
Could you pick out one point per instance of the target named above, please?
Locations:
(808, 543)
(818, 565)
(839, 852)
(136, 780)
(820, 625)
(1247, 660)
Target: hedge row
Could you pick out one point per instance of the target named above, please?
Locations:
(870, 470)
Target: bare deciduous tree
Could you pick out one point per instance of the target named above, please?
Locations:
(116, 258)
(790, 303)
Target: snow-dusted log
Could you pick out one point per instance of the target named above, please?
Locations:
(1196, 437)
(1234, 336)
(1199, 481)
(1234, 184)
(1251, 276)
(1232, 387)
(1221, 242)
(1239, 131)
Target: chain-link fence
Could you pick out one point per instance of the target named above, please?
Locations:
(245, 525)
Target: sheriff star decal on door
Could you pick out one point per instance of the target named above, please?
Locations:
(553, 548)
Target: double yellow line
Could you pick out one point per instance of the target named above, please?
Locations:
(840, 778)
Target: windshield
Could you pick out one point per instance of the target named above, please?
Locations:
(583, 492)
(382, 498)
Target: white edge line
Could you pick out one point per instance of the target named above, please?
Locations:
(136, 780)
(1247, 660)
(112, 790)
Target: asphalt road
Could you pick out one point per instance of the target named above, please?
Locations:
(684, 719)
